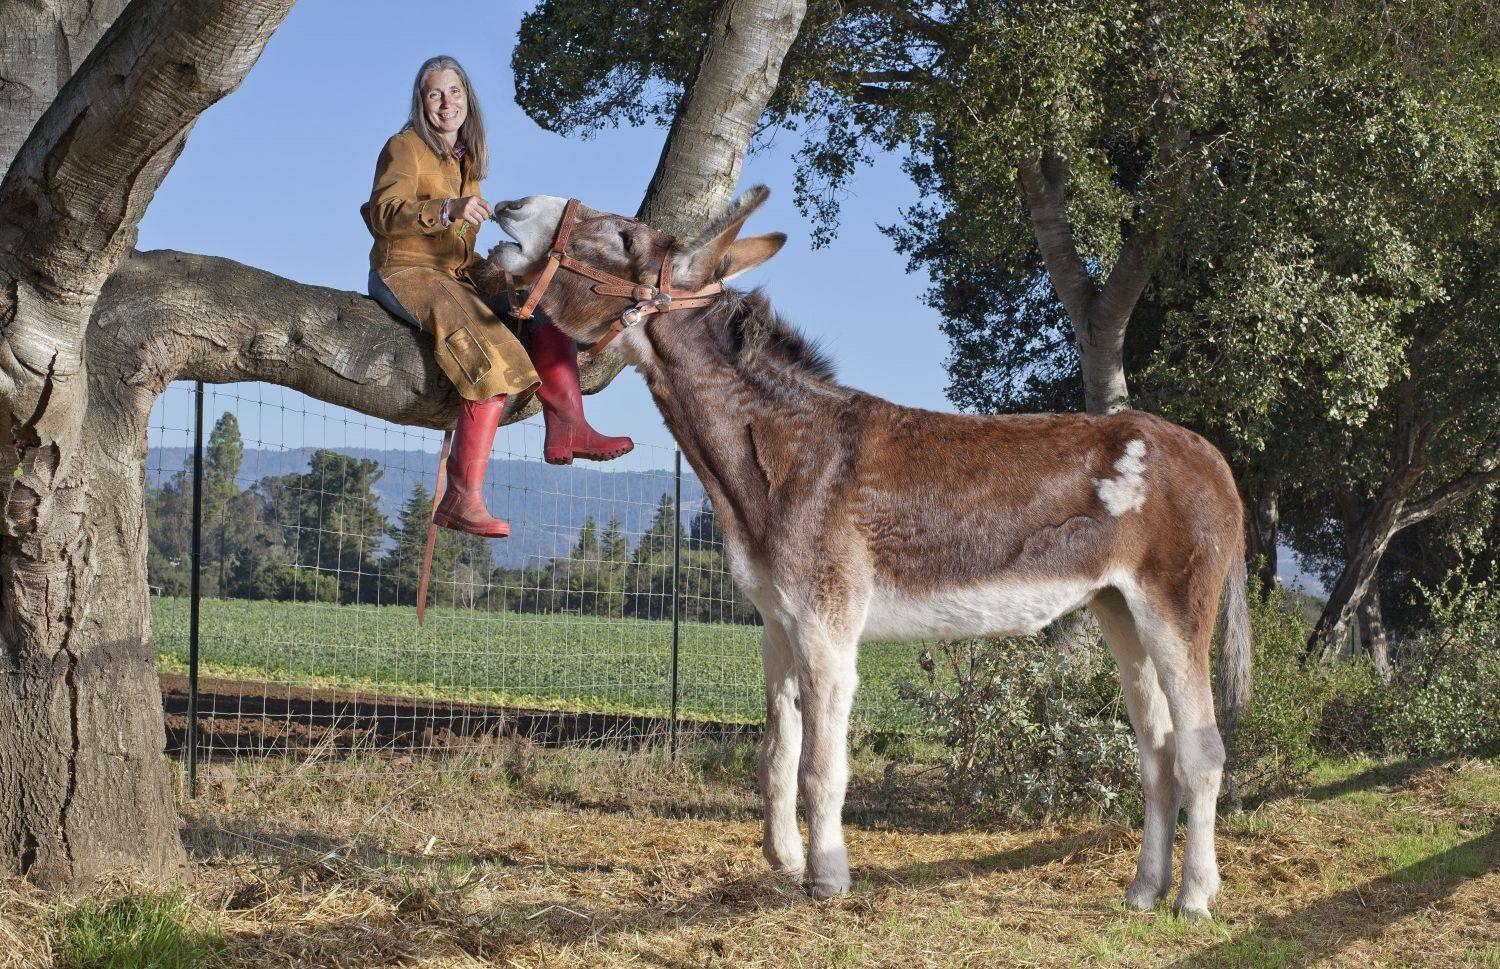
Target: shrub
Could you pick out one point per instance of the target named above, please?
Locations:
(1276, 745)
(1030, 731)
(284, 583)
(1443, 697)
(1037, 733)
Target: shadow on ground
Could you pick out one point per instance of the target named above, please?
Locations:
(558, 919)
(1379, 776)
(1329, 925)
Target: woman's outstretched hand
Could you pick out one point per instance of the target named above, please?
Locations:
(470, 208)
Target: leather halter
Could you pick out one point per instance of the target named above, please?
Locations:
(649, 300)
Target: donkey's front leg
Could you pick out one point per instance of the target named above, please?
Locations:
(826, 678)
(780, 749)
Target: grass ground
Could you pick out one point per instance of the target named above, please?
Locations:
(557, 661)
(578, 859)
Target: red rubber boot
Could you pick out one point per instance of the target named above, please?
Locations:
(569, 435)
(462, 508)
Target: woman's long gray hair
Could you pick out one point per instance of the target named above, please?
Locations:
(471, 132)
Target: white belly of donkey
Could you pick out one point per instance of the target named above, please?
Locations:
(999, 609)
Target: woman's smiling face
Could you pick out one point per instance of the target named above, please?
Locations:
(444, 100)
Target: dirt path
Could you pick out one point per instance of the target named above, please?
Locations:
(256, 718)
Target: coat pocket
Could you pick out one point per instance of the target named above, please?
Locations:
(470, 353)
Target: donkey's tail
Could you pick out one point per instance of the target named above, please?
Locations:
(1234, 666)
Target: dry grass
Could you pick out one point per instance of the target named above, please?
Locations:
(573, 860)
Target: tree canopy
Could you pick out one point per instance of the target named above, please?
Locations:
(1277, 218)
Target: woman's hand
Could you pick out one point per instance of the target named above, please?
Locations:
(470, 208)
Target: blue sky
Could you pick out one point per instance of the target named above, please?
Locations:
(274, 175)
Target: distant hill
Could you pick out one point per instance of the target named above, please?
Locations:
(546, 505)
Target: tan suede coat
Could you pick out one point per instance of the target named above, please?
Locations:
(426, 266)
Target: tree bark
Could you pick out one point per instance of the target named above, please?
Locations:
(81, 734)
(1368, 531)
(1263, 525)
(81, 772)
(1100, 315)
(41, 45)
(721, 105)
(1372, 633)
(734, 79)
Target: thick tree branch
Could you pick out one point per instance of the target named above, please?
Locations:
(881, 77)
(41, 45)
(1484, 472)
(924, 27)
(168, 316)
(1127, 279)
(1098, 327)
(735, 76)
(1115, 300)
(1044, 184)
(71, 200)
(882, 97)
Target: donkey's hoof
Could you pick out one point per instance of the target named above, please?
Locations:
(793, 875)
(786, 856)
(828, 888)
(1191, 911)
(1143, 897)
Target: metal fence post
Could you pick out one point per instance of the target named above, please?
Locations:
(676, 590)
(194, 592)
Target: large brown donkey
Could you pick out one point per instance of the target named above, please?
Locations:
(848, 518)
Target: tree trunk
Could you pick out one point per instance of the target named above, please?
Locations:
(1372, 633)
(721, 105)
(87, 789)
(1367, 542)
(1263, 526)
(734, 79)
(81, 768)
(81, 734)
(1099, 314)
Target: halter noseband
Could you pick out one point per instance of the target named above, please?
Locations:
(649, 300)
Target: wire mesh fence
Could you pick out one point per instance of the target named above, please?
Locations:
(607, 618)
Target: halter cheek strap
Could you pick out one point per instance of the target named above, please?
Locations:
(648, 300)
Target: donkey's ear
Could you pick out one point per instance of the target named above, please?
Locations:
(722, 230)
(699, 258)
(745, 254)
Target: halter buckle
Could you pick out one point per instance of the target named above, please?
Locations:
(644, 293)
(662, 301)
(631, 316)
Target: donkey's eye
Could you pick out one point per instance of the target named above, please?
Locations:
(625, 240)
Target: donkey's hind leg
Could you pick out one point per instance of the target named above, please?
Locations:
(1179, 651)
(1152, 720)
(780, 749)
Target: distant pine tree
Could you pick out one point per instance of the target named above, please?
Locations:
(704, 531)
(614, 547)
(225, 455)
(332, 520)
(658, 537)
(587, 549)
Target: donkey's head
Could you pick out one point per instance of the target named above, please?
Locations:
(621, 247)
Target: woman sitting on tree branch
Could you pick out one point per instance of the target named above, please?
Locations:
(425, 211)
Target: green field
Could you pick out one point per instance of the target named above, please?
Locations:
(543, 660)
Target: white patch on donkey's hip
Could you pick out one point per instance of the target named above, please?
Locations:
(1126, 491)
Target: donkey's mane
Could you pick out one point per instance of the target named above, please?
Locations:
(748, 328)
